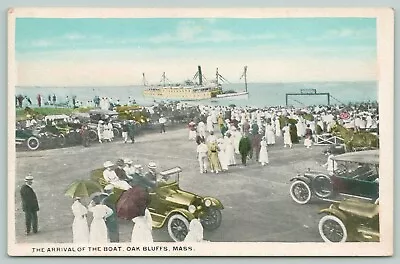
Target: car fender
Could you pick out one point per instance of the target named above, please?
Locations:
(335, 212)
(189, 216)
(302, 178)
(215, 202)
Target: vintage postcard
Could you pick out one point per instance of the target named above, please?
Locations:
(200, 132)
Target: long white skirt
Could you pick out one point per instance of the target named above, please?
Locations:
(270, 137)
(80, 230)
(263, 156)
(230, 155)
(223, 160)
(287, 140)
(192, 135)
(307, 142)
(98, 231)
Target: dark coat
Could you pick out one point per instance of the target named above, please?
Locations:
(256, 141)
(121, 174)
(244, 145)
(29, 199)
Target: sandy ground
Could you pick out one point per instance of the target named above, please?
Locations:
(257, 203)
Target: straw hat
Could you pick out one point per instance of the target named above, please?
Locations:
(29, 178)
(152, 165)
(128, 161)
(108, 164)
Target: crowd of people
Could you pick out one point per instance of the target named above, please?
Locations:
(248, 132)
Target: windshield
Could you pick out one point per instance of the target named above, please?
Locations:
(169, 176)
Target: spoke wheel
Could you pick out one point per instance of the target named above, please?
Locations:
(33, 143)
(178, 227)
(92, 135)
(213, 219)
(300, 192)
(61, 140)
(332, 229)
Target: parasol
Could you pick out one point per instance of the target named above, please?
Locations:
(132, 203)
(82, 188)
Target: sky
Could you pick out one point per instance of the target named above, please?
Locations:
(95, 51)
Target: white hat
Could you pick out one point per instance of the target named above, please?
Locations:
(128, 161)
(109, 187)
(29, 178)
(101, 121)
(152, 165)
(137, 166)
(108, 164)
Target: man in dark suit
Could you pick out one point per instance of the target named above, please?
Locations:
(111, 221)
(30, 205)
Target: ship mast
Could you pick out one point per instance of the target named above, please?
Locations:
(163, 79)
(217, 77)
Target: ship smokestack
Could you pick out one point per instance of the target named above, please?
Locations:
(200, 75)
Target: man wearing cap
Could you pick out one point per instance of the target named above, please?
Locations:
(112, 220)
(152, 174)
(140, 180)
(111, 177)
(30, 205)
(128, 168)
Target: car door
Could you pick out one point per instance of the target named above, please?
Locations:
(361, 185)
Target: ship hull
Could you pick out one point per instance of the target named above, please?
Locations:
(239, 95)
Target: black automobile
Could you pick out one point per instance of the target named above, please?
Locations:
(356, 174)
(33, 139)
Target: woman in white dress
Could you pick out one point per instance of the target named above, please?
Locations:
(195, 233)
(287, 140)
(263, 159)
(278, 132)
(110, 131)
(98, 228)
(80, 228)
(222, 154)
(269, 134)
(111, 177)
(229, 149)
(236, 137)
(141, 232)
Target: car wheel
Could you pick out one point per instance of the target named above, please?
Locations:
(178, 227)
(33, 143)
(300, 192)
(61, 140)
(213, 219)
(332, 229)
(323, 186)
(116, 132)
(92, 135)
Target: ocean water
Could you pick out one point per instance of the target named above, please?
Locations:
(260, 94)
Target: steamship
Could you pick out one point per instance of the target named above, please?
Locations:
(189, 90)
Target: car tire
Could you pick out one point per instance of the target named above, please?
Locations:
(215, 221)
(178, 227)
(61, 140)
(305, 188)
(116, 132)
(326, 225)
(93, 135)
(319, 190)
(33, 143)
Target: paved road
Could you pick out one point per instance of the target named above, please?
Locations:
(257, 203)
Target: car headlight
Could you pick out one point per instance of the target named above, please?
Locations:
(192, 208)
(207, 202)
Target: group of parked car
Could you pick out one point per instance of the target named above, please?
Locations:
(353, 191)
